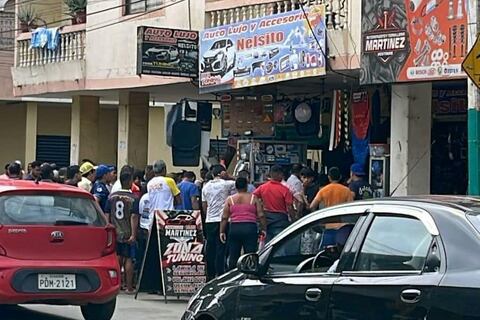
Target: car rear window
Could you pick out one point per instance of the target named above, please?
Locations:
(48, 210)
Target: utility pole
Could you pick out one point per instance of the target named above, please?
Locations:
(473, 107)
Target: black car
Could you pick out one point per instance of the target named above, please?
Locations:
(399, 258)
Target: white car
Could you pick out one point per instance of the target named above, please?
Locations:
(163, 53)
(220, 58)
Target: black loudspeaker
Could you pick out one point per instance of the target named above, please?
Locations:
(174, 115)
(186, 142)
(204, 115)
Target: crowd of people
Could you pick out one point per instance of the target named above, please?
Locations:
(236, 212)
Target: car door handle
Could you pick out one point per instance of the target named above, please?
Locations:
(313, 294)
(410, 295)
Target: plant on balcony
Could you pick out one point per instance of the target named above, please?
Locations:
(77, 9)
(28, 18)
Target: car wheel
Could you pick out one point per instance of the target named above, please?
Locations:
(99, 311)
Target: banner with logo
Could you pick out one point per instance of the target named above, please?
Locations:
(413, 40)
(181, 251)
(265, 50)
(167, 52)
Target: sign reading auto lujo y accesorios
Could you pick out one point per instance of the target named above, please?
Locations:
(167, 52)
(413, 40)
(265, 50)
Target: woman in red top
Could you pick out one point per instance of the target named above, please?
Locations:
(242, 210)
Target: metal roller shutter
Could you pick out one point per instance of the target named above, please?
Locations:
(54, 149)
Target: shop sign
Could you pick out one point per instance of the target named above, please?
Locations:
(265, 50)
(413, 40)
(167, 52)
(181, 251)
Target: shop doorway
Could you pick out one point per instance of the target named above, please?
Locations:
(449, 167)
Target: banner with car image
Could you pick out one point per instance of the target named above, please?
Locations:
(413, 40)
(167, 52)
(181, 251)
(265, 50)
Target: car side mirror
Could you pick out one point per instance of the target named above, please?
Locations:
(248, 264)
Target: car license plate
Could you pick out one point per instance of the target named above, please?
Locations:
(57, 282)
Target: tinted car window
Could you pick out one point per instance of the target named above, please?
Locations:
(394, 243)
(48, 210)
(327, 236)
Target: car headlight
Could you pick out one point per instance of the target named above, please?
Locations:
(194, 302)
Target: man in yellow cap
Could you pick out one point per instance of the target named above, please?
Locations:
(87, 171)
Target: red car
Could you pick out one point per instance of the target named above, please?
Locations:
(56, 248)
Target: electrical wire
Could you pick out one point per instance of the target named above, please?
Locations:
(327, 61)
(114, 21)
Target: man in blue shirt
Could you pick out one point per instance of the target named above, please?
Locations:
(189, 191)
(99, 189)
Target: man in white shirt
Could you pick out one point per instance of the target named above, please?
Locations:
(294, 183)
(163, 191)
(214, 194)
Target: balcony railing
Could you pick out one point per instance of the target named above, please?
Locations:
(336, 12)
(71, 47)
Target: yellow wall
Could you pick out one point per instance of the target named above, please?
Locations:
(12, 133)
(51, 11)
(53, 120)
(107, 151)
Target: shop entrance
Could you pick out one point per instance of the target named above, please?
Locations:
(449, 166)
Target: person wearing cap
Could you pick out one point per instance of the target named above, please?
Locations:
(163, 191)
(87, 170)
(99, 189)
(358, 184)
(334, 193)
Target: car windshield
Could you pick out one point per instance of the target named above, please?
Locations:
(219, 45)
(48, 209)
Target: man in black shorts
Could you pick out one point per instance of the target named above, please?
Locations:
(123, 213)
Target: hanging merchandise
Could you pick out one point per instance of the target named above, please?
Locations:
(307, 118)
(186, 142)
(346, 120)
(360, 126)
(336, 125)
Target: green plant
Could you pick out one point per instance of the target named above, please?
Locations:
(27, 15)
(75, 6)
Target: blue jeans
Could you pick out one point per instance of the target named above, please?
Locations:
(276, 223)
(241, 235)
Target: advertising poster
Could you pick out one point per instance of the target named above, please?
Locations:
(181, 240)
(413, 40)
(167, 52)
(265, 50)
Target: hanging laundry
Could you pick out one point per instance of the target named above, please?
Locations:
(39, 38)
(53, 38)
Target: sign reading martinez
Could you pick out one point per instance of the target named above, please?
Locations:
(265, 50)
(412, 40)
(167, 52)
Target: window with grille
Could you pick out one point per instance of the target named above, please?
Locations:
(7, 27)
(139, 6)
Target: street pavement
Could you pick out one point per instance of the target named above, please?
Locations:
(147, 307)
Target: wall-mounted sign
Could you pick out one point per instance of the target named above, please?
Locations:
(167, 52)
(413, 40)
(265, 50)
